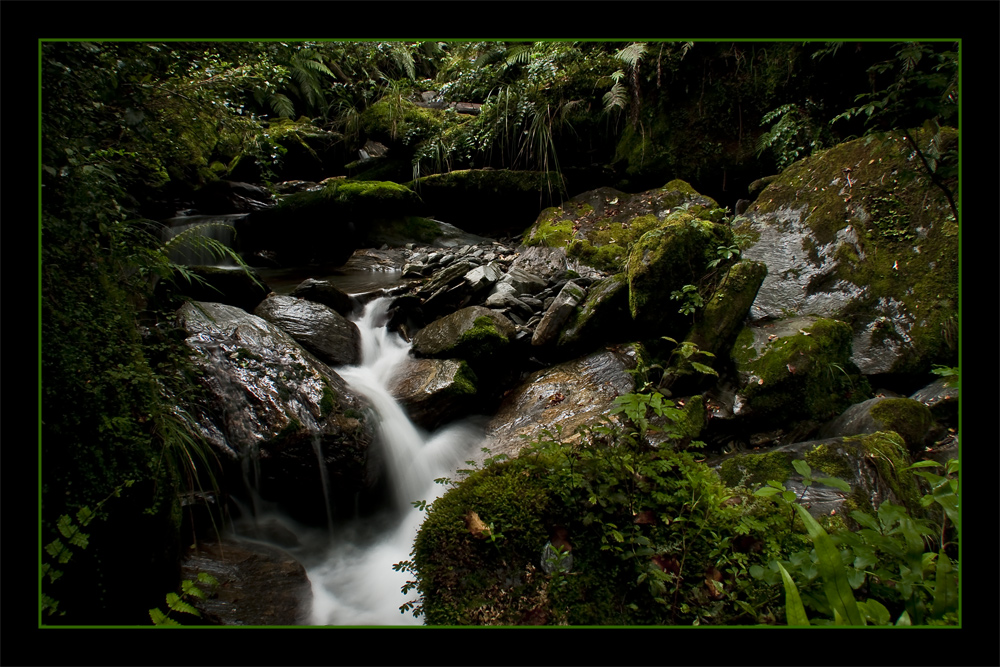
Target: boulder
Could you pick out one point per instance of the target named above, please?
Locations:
(861, 234)
(870, 465)
(326, 293)
(434, 391)
(474, 333)
(597, 227)
(258, 584)
(911, 419)
(602, 317)
(493, 201)
(797, 369)
(224, 284)
(664, 260)
(274, 412)
(319, 328)
(941, 396)
(566, 396)
(569, 297)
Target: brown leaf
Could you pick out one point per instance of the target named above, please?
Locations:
(476, 526)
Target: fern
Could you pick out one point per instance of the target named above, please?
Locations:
(282, 105)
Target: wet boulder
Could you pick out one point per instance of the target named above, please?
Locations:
(569, 297)
(861, 233)
(476, 334)
(276, 414)
(326, 293)
(258, 584)
(565, 396)
(797, 369)
(911, 419)
(319, 328)
(869, 464)
(434, 391)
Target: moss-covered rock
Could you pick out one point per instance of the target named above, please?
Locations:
(478, 335)
(598, 226)
(870, 464)
(327, 224)
(602, 317)
(860, 233)
(911, 419)
(488, 200)
(666, 259)
(802, 374)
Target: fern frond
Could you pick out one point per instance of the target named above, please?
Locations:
(631, 54)
(404, 60)
(282, 105)
(159, 618)
(518, 55)
(617, 97)
(175, 602)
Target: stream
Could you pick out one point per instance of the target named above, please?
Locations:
(353, 582)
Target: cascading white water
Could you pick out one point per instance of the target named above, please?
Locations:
(355, 583)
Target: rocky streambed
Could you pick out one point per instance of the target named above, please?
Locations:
(820, 352)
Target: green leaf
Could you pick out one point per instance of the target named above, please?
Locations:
(159, 618)
(945, 587)
(835, 482)
(175, 602)
(702, 368)
(795, 612)
(802, 468)
(875, 611)
(838, 590)
(766, 491)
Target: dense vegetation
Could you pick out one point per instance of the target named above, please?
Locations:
(132, 130)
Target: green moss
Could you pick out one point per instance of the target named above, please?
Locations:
(753, 469)
(805, 376)
(909, 418)
(887, 451)
(465, 380)
(480, 341)
(693, 420)
(329, 401)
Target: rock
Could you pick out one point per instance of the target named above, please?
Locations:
(666, 259)
(271, 405)
(482, 278)
(795, 370)
(941, 397)
(320, 329)
(911, 419)
(869, 464)
(602, 317)
(224, 284)
(488, 200)
(521, 281)
(326, 293)
(434, 391)
(549, 264)
(258, 584)
(474, 334)
(859, 233)
(569, 395)
(232, 197)
(597, 227)
(570, 296)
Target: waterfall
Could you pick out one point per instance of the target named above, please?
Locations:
(354, 583)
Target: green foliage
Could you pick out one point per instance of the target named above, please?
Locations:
(181, 602)
(793, 135)
(894, 565)
(652, 533)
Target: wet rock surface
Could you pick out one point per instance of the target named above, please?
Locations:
(258, 584)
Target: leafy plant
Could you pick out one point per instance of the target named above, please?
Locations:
(881, 571)
(690, 299)
(181, 602)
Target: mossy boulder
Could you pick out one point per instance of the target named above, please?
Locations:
(911, 419)
(666, 259)
(223, 284)
(603, 317)
(800, 370)
(478, 335)
(862, 234)
(597, 227)
(871, 464)
(495, 201)
(325, 225)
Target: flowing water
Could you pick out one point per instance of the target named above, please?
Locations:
(353, 582)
